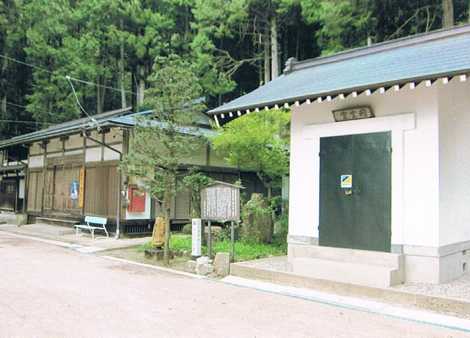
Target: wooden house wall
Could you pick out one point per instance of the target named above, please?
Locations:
(49, 195)
(35, 191)
(101, 190)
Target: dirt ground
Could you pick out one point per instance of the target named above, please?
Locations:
(51, 291)
(177, 263)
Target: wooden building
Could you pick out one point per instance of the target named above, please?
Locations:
(71, 171)
(12, 181)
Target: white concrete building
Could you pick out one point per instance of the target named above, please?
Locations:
(394, 119)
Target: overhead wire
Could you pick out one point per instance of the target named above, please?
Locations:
(69, 79)
(24, 107)
(65, 76)
(25, 122)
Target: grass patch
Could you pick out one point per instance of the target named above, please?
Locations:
(244, 251)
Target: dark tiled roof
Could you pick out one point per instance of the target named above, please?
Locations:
(121, 117)
(424, 56)
(65, 128)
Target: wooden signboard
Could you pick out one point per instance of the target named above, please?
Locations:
(221, 202)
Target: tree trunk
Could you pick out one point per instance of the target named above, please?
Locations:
(99, 96)
(3, 87)
(3, 106)
(274, 49)
(447, 13)
(267, 70)
(166, 214)
(121, 71)
(141, 86)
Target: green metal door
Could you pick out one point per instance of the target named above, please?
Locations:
(355, 191)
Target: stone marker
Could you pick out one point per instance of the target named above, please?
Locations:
(203, 266)
(204, 269)
(222, 264)
(190, 266)
(202, 260)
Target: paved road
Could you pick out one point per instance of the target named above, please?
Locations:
(49, 291)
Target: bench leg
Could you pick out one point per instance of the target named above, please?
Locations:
(93, 234)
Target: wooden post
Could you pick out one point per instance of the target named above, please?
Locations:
(118, 213)
(83, 201)
(26, 186)
(232, 239)
(44, 174)
(209, 240)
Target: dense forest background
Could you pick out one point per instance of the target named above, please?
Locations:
(106, 49)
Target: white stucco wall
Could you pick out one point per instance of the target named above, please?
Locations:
(415, 166)
(93, 154)
(36, 161)
(454, 164)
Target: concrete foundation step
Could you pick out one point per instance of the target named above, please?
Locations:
(372, 275)
(367, 257)
(67, 222)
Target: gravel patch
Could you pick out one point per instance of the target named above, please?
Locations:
(458, 289)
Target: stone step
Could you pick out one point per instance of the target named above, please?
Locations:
(347, 272)
(378, 258)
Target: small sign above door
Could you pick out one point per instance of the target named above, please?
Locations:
(346, 181)
(349, 114)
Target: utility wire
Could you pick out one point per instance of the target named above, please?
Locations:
(16, 105)
(25, 122)
(80, 105)
(68, 78)
(23, 107)
(65, 76)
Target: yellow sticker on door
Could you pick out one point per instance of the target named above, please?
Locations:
(346, 181)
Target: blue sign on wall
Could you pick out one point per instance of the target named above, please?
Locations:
(74, 190)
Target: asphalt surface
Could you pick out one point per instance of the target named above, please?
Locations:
(51, 291)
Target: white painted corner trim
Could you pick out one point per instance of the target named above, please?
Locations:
(397, 125)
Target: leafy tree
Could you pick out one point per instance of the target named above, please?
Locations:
(159, 147)
(195, 182)
(258, 141)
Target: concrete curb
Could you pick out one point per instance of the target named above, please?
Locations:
(155, 267)
(450, 306)
(45, 237)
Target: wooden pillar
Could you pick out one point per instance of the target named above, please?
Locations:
(83, 187)
(26, 186)
(44, 174)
